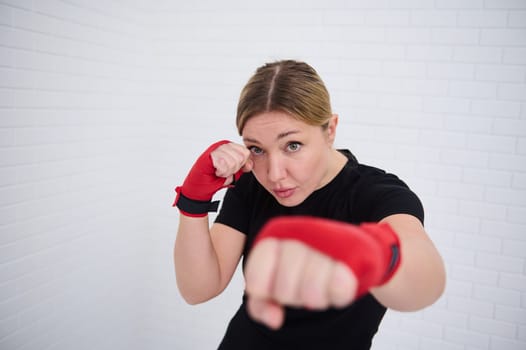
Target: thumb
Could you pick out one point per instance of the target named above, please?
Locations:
(267, 312)
(248, 166)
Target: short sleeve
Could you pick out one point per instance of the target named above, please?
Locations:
(380, 195)
(234, 211)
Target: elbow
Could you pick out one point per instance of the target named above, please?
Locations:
(195, 297)
(191, 300)
(429, 292)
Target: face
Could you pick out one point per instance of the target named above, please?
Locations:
(291, 159)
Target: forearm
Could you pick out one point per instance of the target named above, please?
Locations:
(420, 279)
(196, 263)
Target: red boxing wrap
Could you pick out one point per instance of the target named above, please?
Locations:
(194, 196)
(371, 251)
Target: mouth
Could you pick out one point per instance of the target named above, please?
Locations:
(283, 193)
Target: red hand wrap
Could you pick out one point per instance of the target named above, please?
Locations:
(371, 251)
(200, 185)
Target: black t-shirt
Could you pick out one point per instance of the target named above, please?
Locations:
(359, 193)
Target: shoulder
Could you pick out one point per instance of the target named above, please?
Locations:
(378, 194)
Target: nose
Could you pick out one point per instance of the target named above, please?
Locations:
(276, 170)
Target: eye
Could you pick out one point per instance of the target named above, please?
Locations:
(293, 146)
(255, 150)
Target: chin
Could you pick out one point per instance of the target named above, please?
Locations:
(290, 202)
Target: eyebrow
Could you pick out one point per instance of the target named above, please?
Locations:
(280, 136)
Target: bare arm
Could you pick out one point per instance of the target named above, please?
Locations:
(420, 279)
(287, 269)
(205, 259)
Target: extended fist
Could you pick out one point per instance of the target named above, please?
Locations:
(316, 263)
(289, 273)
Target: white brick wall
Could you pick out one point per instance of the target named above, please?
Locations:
(104, 105)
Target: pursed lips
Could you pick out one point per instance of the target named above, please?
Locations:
(284, 192)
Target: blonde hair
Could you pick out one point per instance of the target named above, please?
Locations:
(288, 86)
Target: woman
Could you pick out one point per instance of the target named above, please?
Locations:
(328, 243)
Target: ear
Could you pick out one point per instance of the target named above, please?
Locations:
(331, 128)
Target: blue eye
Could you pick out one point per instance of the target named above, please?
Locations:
(255, 150)
(294, 146)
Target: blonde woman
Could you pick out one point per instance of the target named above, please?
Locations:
(328, 244)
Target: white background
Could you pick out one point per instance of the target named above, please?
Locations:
(104, 105)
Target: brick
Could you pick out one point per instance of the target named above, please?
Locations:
(438, 172)
(6, 98)
(408, 36)
(503, 37)
(16, 194)
(16, 38)
(514, 248)
(478, 243)
(519, 181)
(446, 317)
(499, 263)
(464, 71)
(493, 327)
(466, 337)
(510, 127)
(391, 17)
(459, 256)
(430, 87)
(497, 295)
(453, 36)
(23, 4)
(461, 191)
(505, 4)
(474, 274)
(459, 288)
(501, 228)
(496, 108)
(514, 55)
(445, 105)
(521, 146)
(513, 281)
(458, 4)
(500, 73)
(487, 177)
(7, 137)
(482, 18)
(442, 18)
(417, 154)
(429, 53)
(6, 56)
(507, 162)
(17, 79)
(480, 54)
(463, 157)
(493, 143)
(424, 187)
(437, 344)
(510, 314)
(498, 343)
(443, 139)
(473, 89)
(339, 17)
(412, 4)
(517, 215)
(6, 15)
(405, 69)
(477, 209)
(368, 51)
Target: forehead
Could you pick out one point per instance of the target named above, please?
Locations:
(270, 122)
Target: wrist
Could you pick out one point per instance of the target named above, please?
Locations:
(193, 208)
